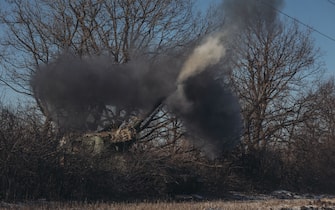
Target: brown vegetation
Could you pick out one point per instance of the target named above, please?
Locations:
(34, 166)
(288, 140)
(233, 205)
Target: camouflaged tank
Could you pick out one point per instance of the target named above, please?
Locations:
(115, 140)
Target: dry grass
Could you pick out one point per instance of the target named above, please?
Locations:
(212, 205)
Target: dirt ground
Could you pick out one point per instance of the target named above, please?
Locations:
(274, 204)
(277, 200)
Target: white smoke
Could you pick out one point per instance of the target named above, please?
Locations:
(208, 53)
(210, 111)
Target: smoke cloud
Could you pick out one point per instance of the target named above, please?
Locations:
(209, 110)
(239, 14)
(204, 55)
(73, 88)
(211, 114)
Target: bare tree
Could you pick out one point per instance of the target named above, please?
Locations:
(271, 68)
(318, 126)
(37, 32)
(313, 140)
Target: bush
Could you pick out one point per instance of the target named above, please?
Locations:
(28, 157)
(33, 166)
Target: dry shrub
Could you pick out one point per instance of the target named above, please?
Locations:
(33, 166)
(309, 167)
(28, 156)
(259, 170)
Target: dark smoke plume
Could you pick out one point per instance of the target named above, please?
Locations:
(72, 88)
(239, 14)
(211, 113)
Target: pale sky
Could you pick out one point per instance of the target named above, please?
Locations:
(320, 15)
(316, 14)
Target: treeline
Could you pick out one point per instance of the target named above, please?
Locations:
(34, 165)
(271, 64)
